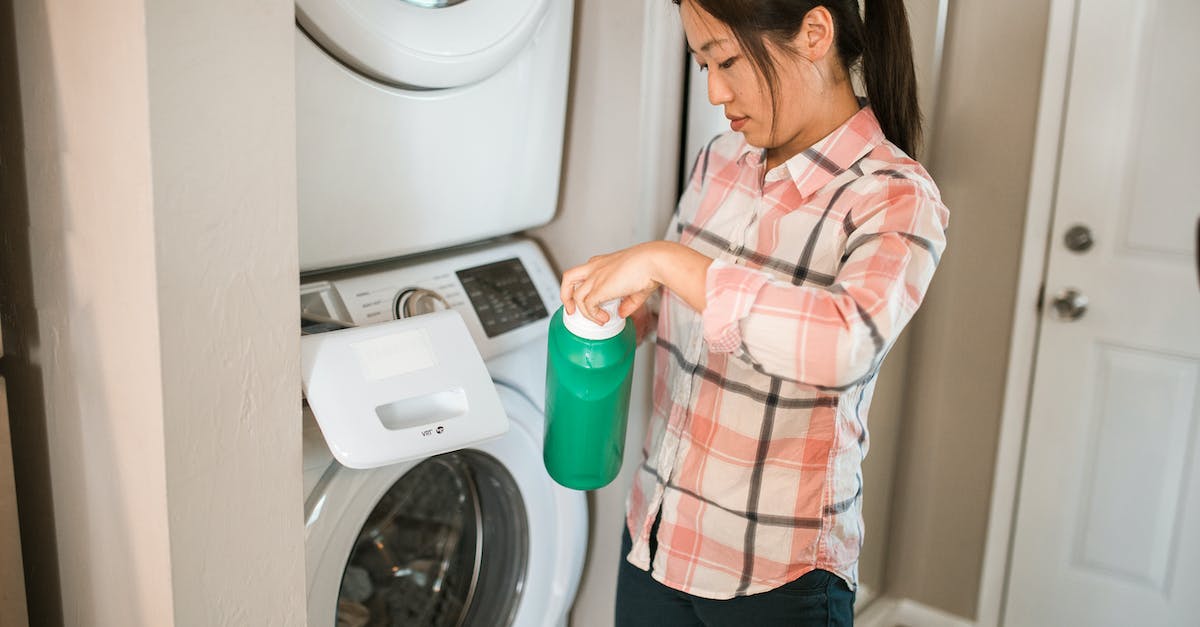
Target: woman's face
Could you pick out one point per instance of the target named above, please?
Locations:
(735, 85)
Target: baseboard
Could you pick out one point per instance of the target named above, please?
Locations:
(890, 612)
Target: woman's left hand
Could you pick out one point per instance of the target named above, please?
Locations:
(628, 274)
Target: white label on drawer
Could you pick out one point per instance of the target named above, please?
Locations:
(393, 355)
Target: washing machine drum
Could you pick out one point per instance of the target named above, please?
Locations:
(422, 44)
(446, 545)
(479, 537)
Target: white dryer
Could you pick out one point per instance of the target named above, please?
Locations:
(423, 124)
(476, 536)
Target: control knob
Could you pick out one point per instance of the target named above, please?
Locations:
(415, 301)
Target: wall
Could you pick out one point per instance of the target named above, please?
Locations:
(980, 156)
(80, 310)
(927, 22)
(13, 612)
(13, 609)
(618, 189)
(147, 288)
(222, 120)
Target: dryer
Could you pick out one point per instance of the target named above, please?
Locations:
(475, 536)
(423, 124)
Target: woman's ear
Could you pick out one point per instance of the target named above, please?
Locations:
(815, 38)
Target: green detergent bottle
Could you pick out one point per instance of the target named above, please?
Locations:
(589, 370)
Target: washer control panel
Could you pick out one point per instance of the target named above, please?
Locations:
(505, 293)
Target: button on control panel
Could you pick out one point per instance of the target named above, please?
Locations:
(503, 295)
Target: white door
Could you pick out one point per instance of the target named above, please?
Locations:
(1108, 516)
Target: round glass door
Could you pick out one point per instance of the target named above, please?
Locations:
(446, 546)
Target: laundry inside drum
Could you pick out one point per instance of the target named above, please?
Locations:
(446, 546)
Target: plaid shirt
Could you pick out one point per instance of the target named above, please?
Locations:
(759, 427)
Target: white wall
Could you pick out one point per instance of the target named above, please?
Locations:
(148, 297)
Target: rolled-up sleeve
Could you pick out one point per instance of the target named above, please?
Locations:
(731, 292)
(834, 336)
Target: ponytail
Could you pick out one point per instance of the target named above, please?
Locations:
(888, 74)
(879, 39)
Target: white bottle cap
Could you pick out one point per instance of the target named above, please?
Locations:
(583, 327)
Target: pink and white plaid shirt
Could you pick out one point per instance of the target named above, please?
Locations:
(759, 428)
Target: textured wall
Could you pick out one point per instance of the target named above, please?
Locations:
(222, 135)
(148, 296)
(79, 306)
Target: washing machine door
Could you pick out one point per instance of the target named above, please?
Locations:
(422, 44)
(476, 537)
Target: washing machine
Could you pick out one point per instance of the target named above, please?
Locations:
(423, 124)
(477, 535)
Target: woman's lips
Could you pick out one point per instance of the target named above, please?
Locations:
(737, 123)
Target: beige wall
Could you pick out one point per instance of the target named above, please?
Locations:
(222, 122)
(12, 573)
(980, 156)
(618, 189)
(79, 297)
(148, 294)
(926, 21)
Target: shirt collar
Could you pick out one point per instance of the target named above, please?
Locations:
(811, 169)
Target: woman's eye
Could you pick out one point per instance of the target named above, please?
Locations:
(727, 63)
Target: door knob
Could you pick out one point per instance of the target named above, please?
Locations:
(1070, 304)
(1078, 238)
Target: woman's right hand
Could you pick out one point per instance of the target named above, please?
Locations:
(625, 274)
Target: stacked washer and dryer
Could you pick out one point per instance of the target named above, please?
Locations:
(426, 129)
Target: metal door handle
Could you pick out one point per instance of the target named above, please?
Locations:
(1070, 304)
(1078, 238)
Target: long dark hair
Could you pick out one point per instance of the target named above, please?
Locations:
(879, 40)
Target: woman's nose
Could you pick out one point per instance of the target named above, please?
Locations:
(718, 91)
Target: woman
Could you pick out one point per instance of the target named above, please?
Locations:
(802, 245)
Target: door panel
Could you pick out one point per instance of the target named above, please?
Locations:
(1134, 469)
(1162, 146)
(1108, 520)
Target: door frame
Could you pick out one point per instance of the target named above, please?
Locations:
(1036, 241)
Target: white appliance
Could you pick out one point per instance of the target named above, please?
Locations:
(423, 124)
(477, 536)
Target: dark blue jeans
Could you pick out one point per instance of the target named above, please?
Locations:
(817, 599)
